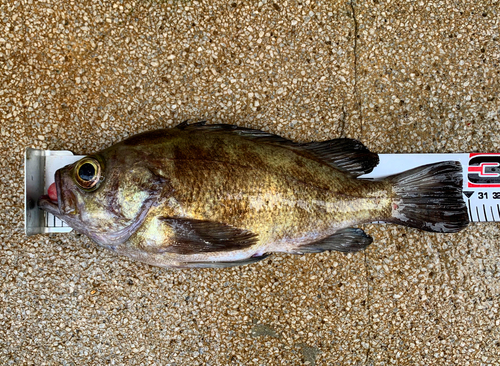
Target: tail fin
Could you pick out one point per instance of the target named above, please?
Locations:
(430, 198)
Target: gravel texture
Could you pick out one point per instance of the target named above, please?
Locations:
(403, 77)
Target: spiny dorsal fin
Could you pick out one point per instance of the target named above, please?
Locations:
(203, 236)
(250, 133)
(346, 154)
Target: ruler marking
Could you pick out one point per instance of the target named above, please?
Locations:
(484, 210)
(477, 212)
(492, 214)
(470, 211)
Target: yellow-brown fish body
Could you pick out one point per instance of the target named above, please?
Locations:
(219, 195)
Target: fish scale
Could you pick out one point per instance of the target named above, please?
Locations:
(279, 200)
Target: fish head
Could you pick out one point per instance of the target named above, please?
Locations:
(105, 196)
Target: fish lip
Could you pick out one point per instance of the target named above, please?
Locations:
(46, 204)
(66, 202)
(61, 207)
(57, 180)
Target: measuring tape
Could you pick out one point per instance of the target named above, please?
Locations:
(481, 182)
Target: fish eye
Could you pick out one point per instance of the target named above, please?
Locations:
(88, 173)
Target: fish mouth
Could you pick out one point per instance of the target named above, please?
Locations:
(65, 204)
(46, 204)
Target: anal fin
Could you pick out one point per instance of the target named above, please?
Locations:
(344, 240)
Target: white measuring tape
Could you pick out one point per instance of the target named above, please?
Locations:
(481, 182)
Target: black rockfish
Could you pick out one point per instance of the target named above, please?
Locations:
(202, 195)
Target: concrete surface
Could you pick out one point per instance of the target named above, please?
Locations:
(419, 76)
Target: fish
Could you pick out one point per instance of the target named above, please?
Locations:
(201, 195)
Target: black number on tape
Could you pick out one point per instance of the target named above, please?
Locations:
(482, 195)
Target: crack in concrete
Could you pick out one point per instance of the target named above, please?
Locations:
(356, 92)
(360, 136)
(358, 105)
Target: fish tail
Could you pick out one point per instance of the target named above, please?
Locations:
(430, 198)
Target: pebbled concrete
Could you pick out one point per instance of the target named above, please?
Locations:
(403, 77)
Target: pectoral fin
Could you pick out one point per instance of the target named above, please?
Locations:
(344, 240)
(201, 236)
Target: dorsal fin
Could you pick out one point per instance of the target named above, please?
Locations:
(345, 154)
(249, 133)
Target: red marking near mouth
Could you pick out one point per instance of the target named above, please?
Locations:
(52, 192)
